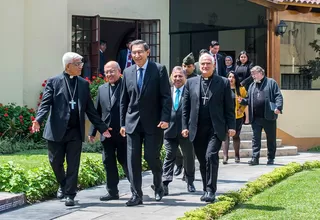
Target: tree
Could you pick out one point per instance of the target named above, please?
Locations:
(313, 66)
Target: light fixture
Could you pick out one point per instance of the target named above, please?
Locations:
(281, 28)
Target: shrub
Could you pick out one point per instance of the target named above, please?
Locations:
(95, 147)
(95, 82)
(229, 200)
(10, 146)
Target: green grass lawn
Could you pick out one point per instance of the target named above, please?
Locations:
(35, 158)
(298, 197)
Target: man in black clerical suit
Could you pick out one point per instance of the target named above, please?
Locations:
(67, 98)
(214, 48)
(145, 108)
(173, 137)
(207, 115)
(115, 147)
(190, 70)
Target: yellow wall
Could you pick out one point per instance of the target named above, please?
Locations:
(11, 47)
(36, 33)
(45, 43)
(300, 117)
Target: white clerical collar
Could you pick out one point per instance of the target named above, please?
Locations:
(101, 51)
(71, 76)
(181, 88)
(144, 66)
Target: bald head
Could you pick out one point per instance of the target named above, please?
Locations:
(112, 71)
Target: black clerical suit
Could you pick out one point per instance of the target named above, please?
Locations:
(172, 139)
(141, 110)
(107, 104)
(65, 125)
(208, 112)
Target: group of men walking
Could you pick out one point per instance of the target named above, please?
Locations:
(140, 109)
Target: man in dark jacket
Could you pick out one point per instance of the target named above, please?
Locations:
(115, 147)
(265, 103)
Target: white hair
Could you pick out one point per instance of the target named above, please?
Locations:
(69, 57)
(205, 55)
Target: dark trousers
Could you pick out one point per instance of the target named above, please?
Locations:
(206, 146)
(179, 157)
(152, 145)
(270, 127)
(69, 148)
(171, 145)
(114, 148)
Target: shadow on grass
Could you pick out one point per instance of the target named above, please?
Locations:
(260, 207)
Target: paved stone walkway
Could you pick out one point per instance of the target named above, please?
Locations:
(231, 177)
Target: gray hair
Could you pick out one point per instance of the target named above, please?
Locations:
(258, 69)
(69, 57)
(180, 69)
(205, 55)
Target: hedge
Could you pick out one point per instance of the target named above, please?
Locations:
(40, 183)
(229, 200)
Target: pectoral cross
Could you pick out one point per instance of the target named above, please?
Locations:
(72, 103)
(205, 98)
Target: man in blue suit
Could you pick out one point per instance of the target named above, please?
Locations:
(124, 57)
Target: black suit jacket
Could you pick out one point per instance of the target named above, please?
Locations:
(221, 106)
(152, 105)
(106, 104)
(175, 126)
(221, 65)
(122, 59)
(56, 101)
(101, 63)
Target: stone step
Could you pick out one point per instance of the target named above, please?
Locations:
(246, 128)
(247, 144)
(247, 135)
(247, 153)
(9, 201)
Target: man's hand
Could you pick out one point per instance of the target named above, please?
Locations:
(185, 133)
(276, 111)
(107, 133)
(91, 139)
(123, 131)
(163, 125)
(35, 126)
(231, 132)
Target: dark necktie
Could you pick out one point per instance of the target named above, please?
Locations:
(140, 79)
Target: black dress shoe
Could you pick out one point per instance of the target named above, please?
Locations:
(109, 197)
(178, 170)
(165, 190)
(69, 201)
(210, 197)
(270, 162)
(253, 162)
(134, 201)
(60, 193)
(159, 195)
(191, 188)
(203, 197)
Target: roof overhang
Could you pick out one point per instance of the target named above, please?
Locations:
(303, 6)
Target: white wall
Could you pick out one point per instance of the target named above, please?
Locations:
(300, 116)
(142, 9)
(45, 43)
(11, 47)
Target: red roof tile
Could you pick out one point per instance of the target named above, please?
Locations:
(317, 2)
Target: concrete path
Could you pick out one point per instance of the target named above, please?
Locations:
(231, 177)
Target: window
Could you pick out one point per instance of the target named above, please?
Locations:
(296, 53)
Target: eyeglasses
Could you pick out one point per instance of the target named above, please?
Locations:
(78, 64)
(109, 71)
(137, 52)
